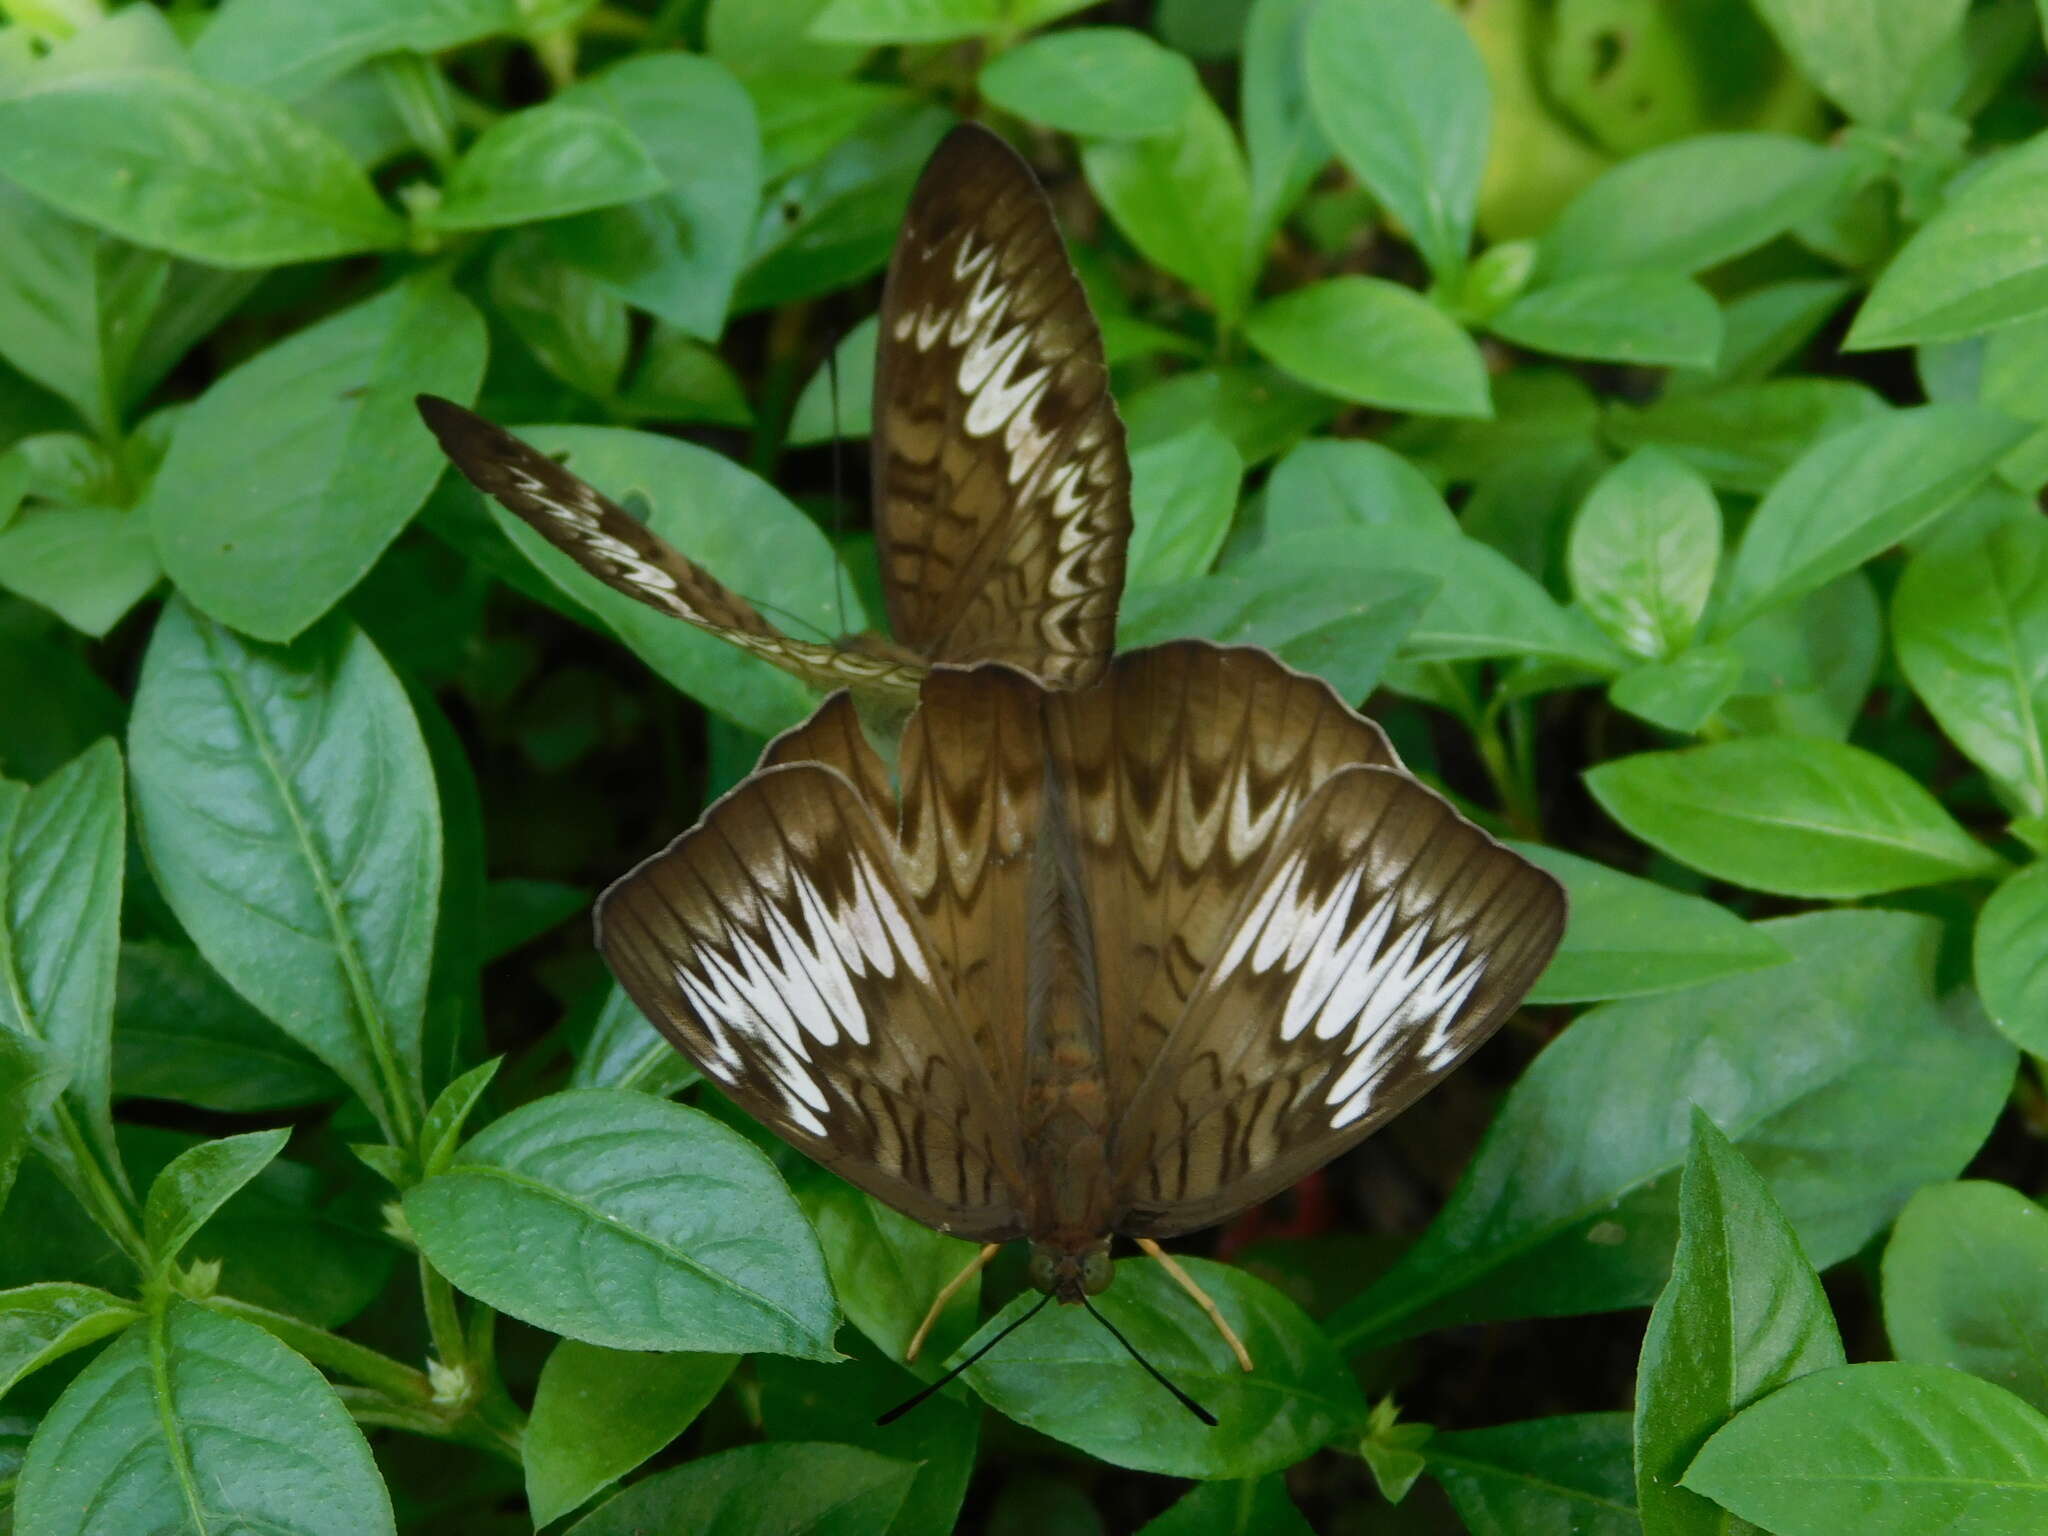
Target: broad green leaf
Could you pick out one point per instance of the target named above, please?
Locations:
(1570, 1205)
(1093, 82)
(677, 253)
(1261, 411)
(1767, 326)
(1682, 694)
(197, 1183)
(624, 1221)
(1742, 438)
(791, 1488)
(42, 1323)
(63, 706)
(214, 172)
(1970, 623)
(1374, 342)
(1300, 1396)
(1884, 1450)
(1649, 317)
(1691, 204)
(1284, 145)
(30, 1081)
(1809, 665)
(61, 850)
(738, 527)
(770, 39)
(1744, 1314)
(1626, 937)
(838, 401)
(1962, 1285)
(1868, 56)
(182, 1033)
(887, 1268)
(1858, 492)
(288, 809)
(1327, 483)
(322, 444)
(177, 1426)
(909, 21)
(574, 325)
(2012, 957)
(599, 1413)
(287, 50)
(1183, 494)
(87, 565)
(1799, 816)
(624, 1051)
(1183, 198)
(1975, 265)
(1643, 552)
(681, 379)
(1245, 1508)
(546, 162)
(1400, 92)
(1567, 1474)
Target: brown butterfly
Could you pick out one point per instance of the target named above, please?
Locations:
(1123, 959)
(1001, 483)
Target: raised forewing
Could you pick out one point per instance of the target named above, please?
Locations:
(1002, 489)
(775, 945)
(1382, 938)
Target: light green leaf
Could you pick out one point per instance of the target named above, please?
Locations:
(286, 50)
(1808, 666)
(1373, 342)
(1283, 143)
(1650, 318)
(575, 325)
(1868, 56)
(1643, 552)
(42, 1323)
(838, 401)
(1183, 495)
(546, 162)
(2012, 957)
(886, 1269)
(198, 1182)
(1327, 484)
(1681, 694)
(1093, 82)
(910, 21)
(1744, 437)
(87, 565)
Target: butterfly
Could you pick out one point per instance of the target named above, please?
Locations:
(1111, 961)
(1001, 479)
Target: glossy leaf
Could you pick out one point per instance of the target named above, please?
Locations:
(198, 1183)
(2012, 957)
(787, 1489)
(1651, 318)
(1569, 1473)
(886, 1269)
(1644, 549)
(667, 1231)
(42, 1323)
(1962, 1285)
(625, 1051)
(1373, 342)
(1093, 82)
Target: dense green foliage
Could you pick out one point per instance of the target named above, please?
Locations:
(1642, 407)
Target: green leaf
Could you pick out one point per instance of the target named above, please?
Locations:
(1326, 484)
(182, 1033)
(1259, 410)
(1183, 494)
(441, 1131)
(286, 50)
(1810, 664)
(2012, 957)
(770, 39)
(1768, 326)
(1799, 816)
(30, 1081)
(87, 565)
(599, 1413)
(787, 1489)
(1570, 1205)
(838, 402)
(1744, 1314)
(1962, 1285)
(1682, 694)
(1284, 145)
(678, 253)
(1858, 492)
(667, 1230)
(214, 172)
(288, 809)
(1184, 200)
(1485, 606)
(1570, 1473)
(199, 1182)
(738, 527)
(1626, 937)
(1094, 82)
(1400, 92)
(1970, 623)
(681, 379)
(575, 325)
(1742, 438)
(61, 848)
(1691, 204)
(1643, 552)
(321, 440)
(1868, 57)
(624, 1051)
(544, 163)
(1243, 1508)
(886, 1269)
(1885, 1449)
(1373, 342)
(1653, 318)
(42, 1323)
(1976, 264)
(175, 1427)
(909, 21)
(1300, 1396)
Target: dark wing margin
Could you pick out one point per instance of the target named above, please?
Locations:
(1001, 480)
(773, 944)
(627, 556)
(1382, 940)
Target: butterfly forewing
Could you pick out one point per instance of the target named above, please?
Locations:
(1002, 487)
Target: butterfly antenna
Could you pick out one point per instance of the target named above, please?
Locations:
(1152, 1370)
(838, 486)
(911, 1402)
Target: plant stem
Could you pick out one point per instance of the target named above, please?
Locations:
(394, 1379)
(1510, 780)
(444, 1325)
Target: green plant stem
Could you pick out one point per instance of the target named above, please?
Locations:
(391, 1378)
(444, 1325)
(1510, 779)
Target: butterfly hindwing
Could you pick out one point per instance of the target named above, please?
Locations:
(1001, 482)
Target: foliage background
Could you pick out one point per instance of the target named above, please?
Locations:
(1640, 404)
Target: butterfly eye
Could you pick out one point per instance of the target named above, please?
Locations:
(1044, 1271)
(1096, 1273)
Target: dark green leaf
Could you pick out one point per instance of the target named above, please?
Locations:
(573, 323)
(63, 707)
(179, 1426)
(1744, 1314)
(180, 1032)
(1643, 552)
(599, 1413)
(316, 898)
(625, 1052)
(1327, 484)
(1374, 342)
(1769, 325)
(621, 1220)
(1567, 1474)
(1870, 58)
(1095, 82)
(838, 400)
(886, 1269)
(1258, 1508)
(197, 1183)
(787, 1489)
(1183, 494)
(2012, 957)
(1744, 437)
(41, 1323)
(30, 1081)
(1259, 410)
(1644, 316)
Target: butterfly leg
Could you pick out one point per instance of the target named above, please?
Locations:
(947, 1292)
(1186, 1282)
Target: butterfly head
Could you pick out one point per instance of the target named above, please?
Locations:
(1069, 1276)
